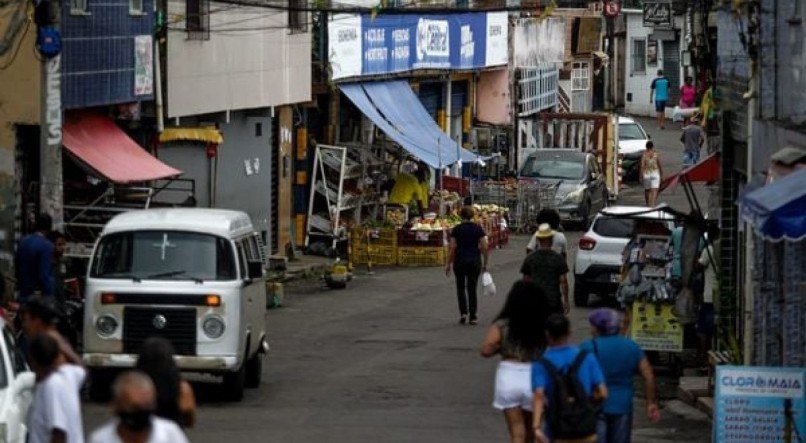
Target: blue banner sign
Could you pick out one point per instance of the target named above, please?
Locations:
(360, 45)
(758, 404)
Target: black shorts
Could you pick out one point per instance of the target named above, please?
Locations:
(660, 105)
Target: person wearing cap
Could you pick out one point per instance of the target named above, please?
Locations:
(549, 270)
(692, 138)
(787, 160)
(620, 359)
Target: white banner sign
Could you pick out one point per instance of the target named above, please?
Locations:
(537, 42)
(143, 65)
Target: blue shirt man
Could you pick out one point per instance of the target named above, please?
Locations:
(33, 262)
(660, 93)
(562, 354)
(619, 358)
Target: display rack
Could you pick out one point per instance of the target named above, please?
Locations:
(338, 185)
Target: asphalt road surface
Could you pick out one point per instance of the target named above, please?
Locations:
(385, 360)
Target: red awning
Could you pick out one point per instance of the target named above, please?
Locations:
(98, 142)
(706, 171)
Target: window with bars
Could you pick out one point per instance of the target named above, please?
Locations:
(638, 65)
(580, 76)
(78, 7)
(297, 17)
(197, 19)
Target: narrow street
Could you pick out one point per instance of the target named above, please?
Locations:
(385, 360)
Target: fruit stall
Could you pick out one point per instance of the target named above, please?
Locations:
(396, 240)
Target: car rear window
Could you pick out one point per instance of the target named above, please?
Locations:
(614, 227)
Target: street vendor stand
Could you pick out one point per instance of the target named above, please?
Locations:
(523, 200)
(657, 307)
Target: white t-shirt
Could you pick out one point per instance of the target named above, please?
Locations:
(162, 431)
(57, 405)
(709, 276)
(559, 243)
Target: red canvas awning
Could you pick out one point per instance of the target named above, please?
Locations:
(98, 142)
(706, 171)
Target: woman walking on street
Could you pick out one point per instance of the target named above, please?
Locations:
(468, 255)
(517, 335)
(175, 399)
(651, 171)
(621, 359)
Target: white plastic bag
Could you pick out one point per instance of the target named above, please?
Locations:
(488, 285)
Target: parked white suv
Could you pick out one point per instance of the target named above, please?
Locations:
(632, 140)
(597, 268)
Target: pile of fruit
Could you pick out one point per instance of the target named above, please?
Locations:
(396, 217)
(485, 210)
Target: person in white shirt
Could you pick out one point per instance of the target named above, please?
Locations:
(559, 243)
(55, 415)
(134, 402)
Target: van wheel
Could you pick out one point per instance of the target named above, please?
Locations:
(581, 295)
(234, 383)
(254, 370)
(100, 383)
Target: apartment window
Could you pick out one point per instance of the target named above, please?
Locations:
(136, 7)
(638, 56)
(580, 76)
(78, 7)
(197, 19)
(296, 16)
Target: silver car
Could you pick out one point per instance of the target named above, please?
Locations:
(581, 191)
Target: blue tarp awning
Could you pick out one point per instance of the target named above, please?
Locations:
(394, 108)
(778, 210)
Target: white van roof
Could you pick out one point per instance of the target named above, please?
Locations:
(220, 222)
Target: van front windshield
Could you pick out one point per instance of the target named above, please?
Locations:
(164, 255)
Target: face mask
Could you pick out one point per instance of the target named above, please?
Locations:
(137, 420)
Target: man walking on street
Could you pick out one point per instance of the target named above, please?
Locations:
(55, 414)
(33, 262)
(134, 403)
(660, 93)
(560, 379)
(692, 138)
(549, 270)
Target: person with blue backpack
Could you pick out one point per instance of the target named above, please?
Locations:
(621, 359)
(568, 386)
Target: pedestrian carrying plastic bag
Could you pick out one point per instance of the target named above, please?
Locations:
(487, 284)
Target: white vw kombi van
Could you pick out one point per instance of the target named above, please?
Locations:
(192, 276)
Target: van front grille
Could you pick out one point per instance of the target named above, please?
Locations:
(176, 325)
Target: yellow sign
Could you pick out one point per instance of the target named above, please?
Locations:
(655, 328)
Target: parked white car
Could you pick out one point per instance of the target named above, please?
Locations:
(597, 268)
(16, 389)
(632, 140)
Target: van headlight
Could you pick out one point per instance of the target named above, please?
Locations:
(106, 325)
(213, 326)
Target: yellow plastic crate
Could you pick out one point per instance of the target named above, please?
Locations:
(420, 256)
(377, 237)
(380, 255)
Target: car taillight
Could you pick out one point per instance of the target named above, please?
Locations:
(586, 243)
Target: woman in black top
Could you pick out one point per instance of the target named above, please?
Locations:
(468, 248)
(175, 398)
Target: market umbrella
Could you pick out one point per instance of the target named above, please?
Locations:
(778, 210)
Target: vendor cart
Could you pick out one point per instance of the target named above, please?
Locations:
(654, 302)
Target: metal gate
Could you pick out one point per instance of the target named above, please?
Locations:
(671, 69)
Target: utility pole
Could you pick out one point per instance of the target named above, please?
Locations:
(50, 140)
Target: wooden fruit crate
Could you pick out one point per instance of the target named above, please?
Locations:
(381, 255)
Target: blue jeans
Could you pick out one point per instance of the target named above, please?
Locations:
(691, 158)
(614, 428)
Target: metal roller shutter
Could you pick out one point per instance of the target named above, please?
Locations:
(671, 68)
(431, 97)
